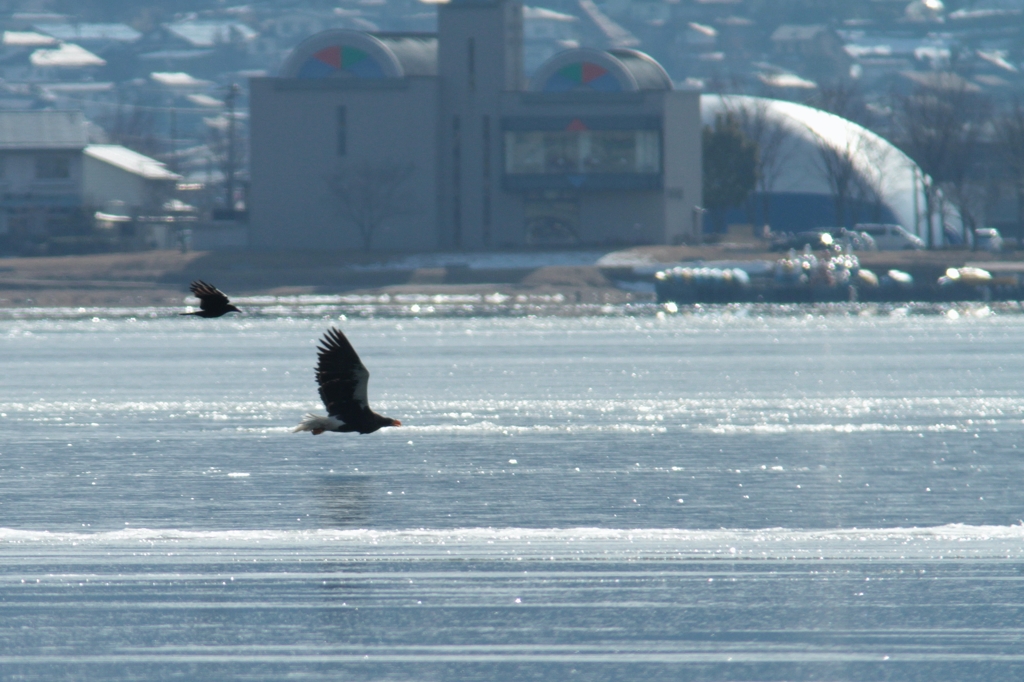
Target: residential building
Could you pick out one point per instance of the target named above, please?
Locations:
(137, 183)
(40, 175)
(53, 180)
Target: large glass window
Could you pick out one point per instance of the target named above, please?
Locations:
(585, 151)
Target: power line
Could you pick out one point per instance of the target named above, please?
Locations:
(141, 107)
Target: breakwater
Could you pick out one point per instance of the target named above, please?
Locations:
(803, 279)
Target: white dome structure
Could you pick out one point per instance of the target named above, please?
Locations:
(801, 193)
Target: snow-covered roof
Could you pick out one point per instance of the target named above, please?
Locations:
(176, 54)
(990, 81)
(27, 39)
(68, 55)
(972, 14)
(204, 100)
(178, 79)
(121, 33)
(73, 88)
(131, 161)
(37, 17)
(703, 29)
(940, 81)
(42, 130)
(998, 59)
(786, 80)
(544, 14)
(613, 33)
(416, 53)
(861, 44)
(797, 32)
(211, 33)
(858, 51)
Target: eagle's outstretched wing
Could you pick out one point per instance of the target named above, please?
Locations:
(342, 378)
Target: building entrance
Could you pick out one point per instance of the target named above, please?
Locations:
(552, 219)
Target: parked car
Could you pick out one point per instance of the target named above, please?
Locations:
(890, 237)
(988, 239)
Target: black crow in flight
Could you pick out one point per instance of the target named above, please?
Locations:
(212, 301)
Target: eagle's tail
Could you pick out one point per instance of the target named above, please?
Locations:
(316, 423)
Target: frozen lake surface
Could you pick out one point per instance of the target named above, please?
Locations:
(747, 493)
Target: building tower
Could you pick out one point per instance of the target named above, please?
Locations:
(480, 56)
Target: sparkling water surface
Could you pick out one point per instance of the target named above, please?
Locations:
(738, 493)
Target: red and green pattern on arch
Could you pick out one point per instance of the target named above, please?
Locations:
(582, 76)
(338, 60)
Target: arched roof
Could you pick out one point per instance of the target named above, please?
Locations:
(882, 165)
(417, 53)
(649, 74)
(340, 53)
(587, 70)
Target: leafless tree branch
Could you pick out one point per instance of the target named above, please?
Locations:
(774, 147)
(370, 194)
(1009, 133)
(836, 162)
(939, 128)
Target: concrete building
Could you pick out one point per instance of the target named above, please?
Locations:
(424, 142)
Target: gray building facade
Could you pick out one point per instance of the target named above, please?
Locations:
(40, 176)
(423, 142)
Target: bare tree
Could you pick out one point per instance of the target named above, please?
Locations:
(938, 127)
(855, 171)
(227, 144)
(774, 148)
(843, 99)
(836, 162)
(870, 183)
(370, 194)
(729, 163)
(1009, 134)
(970, 198)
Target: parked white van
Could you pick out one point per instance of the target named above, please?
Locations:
(890, 237)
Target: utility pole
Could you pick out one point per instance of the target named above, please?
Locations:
(174, 139)
(229, 180)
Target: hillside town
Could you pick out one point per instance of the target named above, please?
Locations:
(126, 126)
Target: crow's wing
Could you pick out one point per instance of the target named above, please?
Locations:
(342, 378)
(210, 297)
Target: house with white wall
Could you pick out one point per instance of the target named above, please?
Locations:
(112, 173)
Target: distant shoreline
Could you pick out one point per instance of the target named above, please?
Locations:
(160, 278)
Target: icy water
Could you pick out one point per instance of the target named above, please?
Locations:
(611, 494)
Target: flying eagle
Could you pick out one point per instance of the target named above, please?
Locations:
(212, 301)
(343, 380)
